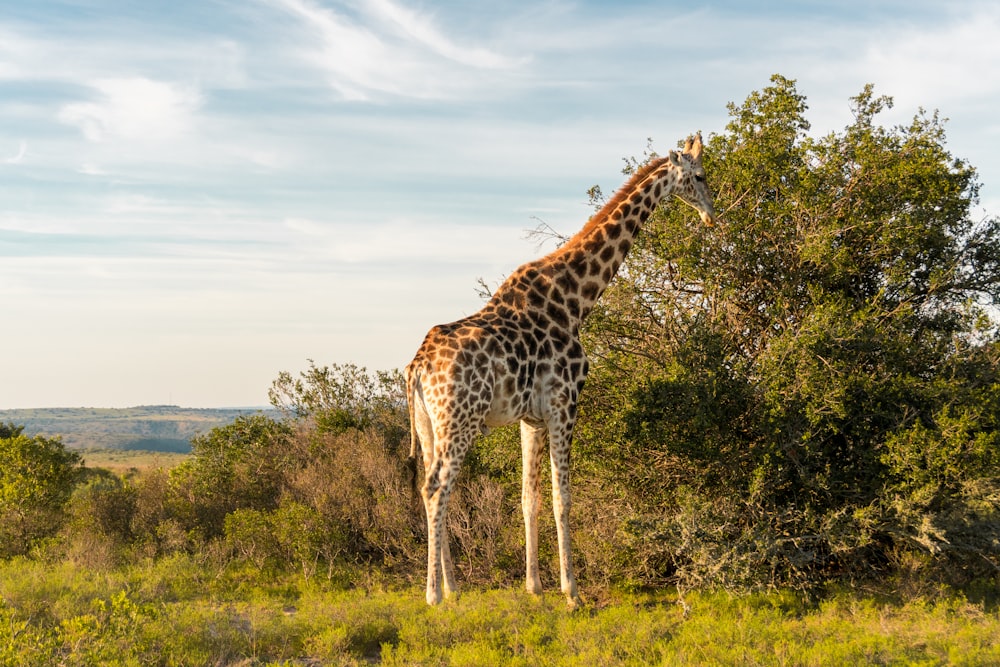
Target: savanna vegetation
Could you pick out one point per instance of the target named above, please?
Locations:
(788, 453)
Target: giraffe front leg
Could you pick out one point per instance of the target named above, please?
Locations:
(559, 454)
(532, 439)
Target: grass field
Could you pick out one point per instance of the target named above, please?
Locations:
(180, 612)
(121, 461)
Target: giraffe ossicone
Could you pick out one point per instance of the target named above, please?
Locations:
(519, 359)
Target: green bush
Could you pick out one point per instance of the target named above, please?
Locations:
(239, 466)
(37, 476)
(807, 390)
(99, 532)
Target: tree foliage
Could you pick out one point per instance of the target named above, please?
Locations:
(37, 475)
(340, 397)
(812, 383)
(238, 466)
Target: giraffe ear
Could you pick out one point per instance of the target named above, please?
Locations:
(693, 147)
(673, 158)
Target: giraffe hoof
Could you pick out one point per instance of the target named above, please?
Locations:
(574, 603)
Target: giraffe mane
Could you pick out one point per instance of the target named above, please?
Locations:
(640, 174)
(623, 192)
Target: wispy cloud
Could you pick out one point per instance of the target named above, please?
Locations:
(948, 62)
(420, 30)
(134, 109)
(388, 49)
(400, 241)
(91, 169)
(21, 152)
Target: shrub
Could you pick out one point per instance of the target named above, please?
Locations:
(37, 476)
(809, 389)
(359, 486)
(99, 530)
(239, 466)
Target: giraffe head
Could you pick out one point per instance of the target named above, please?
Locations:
(691, 186)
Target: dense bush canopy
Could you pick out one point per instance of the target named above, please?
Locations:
(37, 475)
(808, 389)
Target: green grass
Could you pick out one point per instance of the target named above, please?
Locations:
(180, 612)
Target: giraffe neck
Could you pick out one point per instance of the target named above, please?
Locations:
(592, 257)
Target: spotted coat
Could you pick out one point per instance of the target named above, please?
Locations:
(520, 359)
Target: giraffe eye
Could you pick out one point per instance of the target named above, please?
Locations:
(700, 178)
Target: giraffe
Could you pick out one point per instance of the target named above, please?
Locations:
(520, 359)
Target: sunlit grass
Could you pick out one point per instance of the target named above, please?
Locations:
(122, 461)
(180, 611)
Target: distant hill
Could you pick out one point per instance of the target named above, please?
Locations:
(157, 428)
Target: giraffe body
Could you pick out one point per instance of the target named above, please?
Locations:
(520, 359)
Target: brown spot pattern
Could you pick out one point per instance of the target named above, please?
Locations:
(520, 359)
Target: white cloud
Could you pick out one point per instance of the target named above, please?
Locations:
(401, 240)
(21, 152)
(389, 49)
(134, 109)
(136, 203)
(16, 53)
(91, 169)
(942, 63)
(421, 30)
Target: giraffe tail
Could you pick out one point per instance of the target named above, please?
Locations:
(411, 398)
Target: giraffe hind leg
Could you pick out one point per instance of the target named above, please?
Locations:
(430, 491)
(447, 567)
(436, 493)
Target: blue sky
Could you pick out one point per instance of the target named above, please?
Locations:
(197, 195)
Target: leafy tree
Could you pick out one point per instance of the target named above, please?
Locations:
(37, 475)
(101, 516)
(242, 465)
(808, 388)
(340, 397)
